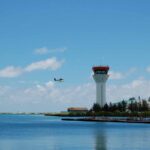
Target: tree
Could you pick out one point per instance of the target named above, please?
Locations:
(135, 106)
(132, 99)
(96, 107)
(114, 107)
(140, 106)
(110, 107)
(106, 107)
(124, 105)
(145, 105)
(130, 106)
(119, 106)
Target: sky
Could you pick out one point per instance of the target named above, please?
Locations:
(44, 39)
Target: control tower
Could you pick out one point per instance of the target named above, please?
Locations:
(100, 76)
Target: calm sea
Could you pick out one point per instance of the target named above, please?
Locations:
(27, 132)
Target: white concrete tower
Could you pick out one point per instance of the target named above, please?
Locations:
(100, 76)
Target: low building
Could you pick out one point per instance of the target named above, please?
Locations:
(78, 109)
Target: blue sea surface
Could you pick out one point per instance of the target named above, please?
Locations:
(37, 132)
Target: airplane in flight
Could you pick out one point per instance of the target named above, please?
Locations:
(59, 80)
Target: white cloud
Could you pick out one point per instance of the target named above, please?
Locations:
(51, 63)
(62, 49)
(45, 50)
(116, 75)
(131, 71)
(46, 97)
(49, 84)
(148, 69)
(119, 75)
(51, 97)
(138, 87)
(10, 72)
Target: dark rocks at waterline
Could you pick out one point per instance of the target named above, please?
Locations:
(126, 120)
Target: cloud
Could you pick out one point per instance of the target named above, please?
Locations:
(116, 75)
(41, 51)
(10, 72)
(46, 97)
(62, 49)
(50, 63)
(119, 75)
(148, 69)
(131, 71)
(49, 84)
(45, 50)
(51, 97)
(138, 87)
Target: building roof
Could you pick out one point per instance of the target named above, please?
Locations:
(77, 109)
(100, 68)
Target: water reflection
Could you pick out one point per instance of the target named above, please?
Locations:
(100, 138)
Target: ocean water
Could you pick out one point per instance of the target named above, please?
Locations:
(27, 132)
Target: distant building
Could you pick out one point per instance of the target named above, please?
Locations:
(78, 109)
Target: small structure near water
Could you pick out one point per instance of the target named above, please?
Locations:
(77, 110)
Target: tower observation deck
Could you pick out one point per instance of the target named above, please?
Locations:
(100, 76)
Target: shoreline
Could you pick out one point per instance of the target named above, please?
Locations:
(128, 120)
